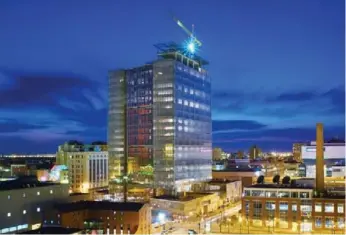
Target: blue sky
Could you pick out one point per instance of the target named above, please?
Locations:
(277, 67)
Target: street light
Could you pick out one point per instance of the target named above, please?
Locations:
(240, 222)
(162, 219)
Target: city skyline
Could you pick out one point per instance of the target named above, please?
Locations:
(282, 75)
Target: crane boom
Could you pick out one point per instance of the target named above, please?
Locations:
(187, 31)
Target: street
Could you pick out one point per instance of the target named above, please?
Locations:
(183, 227)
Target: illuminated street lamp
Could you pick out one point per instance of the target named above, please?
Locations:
(162, 218)
(240, 222)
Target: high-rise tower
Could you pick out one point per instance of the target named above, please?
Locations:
(159, 122)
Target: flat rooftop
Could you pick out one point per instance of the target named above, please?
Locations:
(52, 230)
(240, 169)
(23, 182)
(216, 181)
(99, 205)
(188, 197)
(279, 186)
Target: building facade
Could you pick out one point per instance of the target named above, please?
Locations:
(87, 166)
(104, 217)
(278, 208)
(25, 201)
(160, 118)
(188, 205)
(297, 151)
(334, 159)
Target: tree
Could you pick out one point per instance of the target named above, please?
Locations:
(99, 143)
(286, 180)
(293, 182)
(276, 179)
(74, 142)
(260, 179)
(254, 152)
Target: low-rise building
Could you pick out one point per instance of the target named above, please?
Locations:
(187, 204)
(87, 165)
(25, 201)
(54, 230)
(247, 176)
(229, 191)
(292, 207)
(106, 217)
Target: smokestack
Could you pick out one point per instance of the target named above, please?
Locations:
(319, 158)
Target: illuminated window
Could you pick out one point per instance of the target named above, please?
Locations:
(24, 195)
(318, 207)
(283, 206)
(38, 193)
(340, 208)
(9, 214)
(294, 207)
(318, 222)
(341, 222)
(51, 191)
(38, 209)
(24, 212)
(329, 207)
(329, 222)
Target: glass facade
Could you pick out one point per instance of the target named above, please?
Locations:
(160, 122)
(116, 124)
(139, 123)
(182, 125)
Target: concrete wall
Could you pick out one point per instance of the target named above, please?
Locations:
(28, 206)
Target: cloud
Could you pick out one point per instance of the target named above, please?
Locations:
(51, 107)
(282, 109)
(234, 125)
(295, 96)
(10, 125)
(272, 139)
(38, 89)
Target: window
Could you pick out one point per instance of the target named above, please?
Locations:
(257, 193)
(24, 195)
(340, 208)
(304, 195)
(341, 222)
(318, 222)
(283, 206)
(270, 194)
(24, 212)
(38, 193)
(270, 205)
(284, 194)
(9, 214)
(9, 197)
(329, 207)
(329, 222)
(294, 207)
(51, 191)
(38, 209)
(318, 207)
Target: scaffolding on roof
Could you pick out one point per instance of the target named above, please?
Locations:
(172, 50)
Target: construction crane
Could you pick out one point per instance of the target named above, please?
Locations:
(194, 41)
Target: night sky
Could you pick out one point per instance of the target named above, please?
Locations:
(277, 67)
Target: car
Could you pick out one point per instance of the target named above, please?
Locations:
(192, 232)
